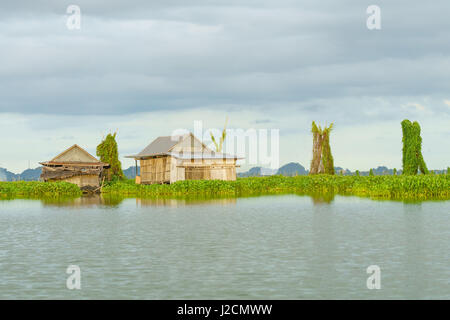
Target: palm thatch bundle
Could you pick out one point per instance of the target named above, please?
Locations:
(322, 161)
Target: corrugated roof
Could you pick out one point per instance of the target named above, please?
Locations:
(202, 155)
(160, 145)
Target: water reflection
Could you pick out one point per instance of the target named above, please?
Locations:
(414, 257)
(324, 243)
(278, 247)
(86, 201)
(175, 203)
(114, 201)
(82, 202)
(322, 198)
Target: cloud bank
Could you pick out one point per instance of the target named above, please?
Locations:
(273, 64)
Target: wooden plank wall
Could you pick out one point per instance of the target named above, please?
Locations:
(208, 173)
(83, 181)
(156, 170)
(216, 169)
(169, 170)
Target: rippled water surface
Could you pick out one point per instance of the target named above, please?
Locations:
(273, 247)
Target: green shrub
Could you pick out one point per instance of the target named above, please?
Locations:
(36, 188)
(387, 187)
(375, 186)
(412, 149)
(108, 152)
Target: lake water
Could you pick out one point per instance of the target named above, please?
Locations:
(271, 247)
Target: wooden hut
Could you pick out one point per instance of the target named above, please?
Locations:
(75, 165)
(184, 157)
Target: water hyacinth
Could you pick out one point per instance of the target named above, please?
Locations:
(36, 188)
(389, 187)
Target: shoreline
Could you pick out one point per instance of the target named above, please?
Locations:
(420, 187)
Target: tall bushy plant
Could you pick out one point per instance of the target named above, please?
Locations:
(412, 149)
(328, 161)
(108, 152)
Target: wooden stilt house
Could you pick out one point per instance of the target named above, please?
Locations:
(75, 165)
(184, 157)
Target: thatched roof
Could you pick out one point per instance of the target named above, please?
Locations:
(75, 155)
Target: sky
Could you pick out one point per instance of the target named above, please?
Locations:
(148, 68)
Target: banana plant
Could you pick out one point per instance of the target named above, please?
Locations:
(219, 145)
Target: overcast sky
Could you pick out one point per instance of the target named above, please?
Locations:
(147, 68)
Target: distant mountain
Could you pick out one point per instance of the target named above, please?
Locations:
(31, 174)
(268, 171)
(27, 175)
(380, 171)
(6, 175)
(34, 174)
(253, 172)
(292, 169)
(345, 172)
(439, 171)
(257, 172)
(130, 173)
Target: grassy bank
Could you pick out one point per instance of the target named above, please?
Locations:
(38, 189)
(387, 187)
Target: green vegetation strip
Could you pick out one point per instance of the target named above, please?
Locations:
(40, 189)
(387, 187)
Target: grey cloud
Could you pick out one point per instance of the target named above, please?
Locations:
(150, 55)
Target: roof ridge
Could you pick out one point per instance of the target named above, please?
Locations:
(71, 148)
